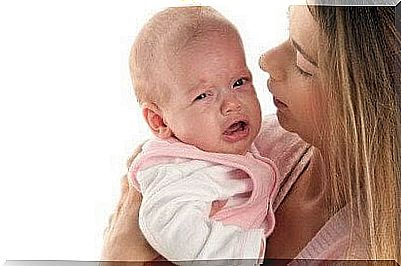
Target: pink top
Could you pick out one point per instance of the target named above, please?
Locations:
(180, 183)
(291, 156)
(261, 179)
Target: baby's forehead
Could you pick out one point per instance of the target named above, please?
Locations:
(200, 44)
(167, 35)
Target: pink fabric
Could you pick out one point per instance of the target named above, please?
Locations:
(256, 211)
(291, 156)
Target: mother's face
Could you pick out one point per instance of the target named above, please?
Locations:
(294, 76)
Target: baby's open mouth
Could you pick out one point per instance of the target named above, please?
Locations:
(237, 126)
(236, 131)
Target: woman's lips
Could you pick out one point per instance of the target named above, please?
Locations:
(279, 104)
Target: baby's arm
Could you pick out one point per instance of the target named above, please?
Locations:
(174, 217)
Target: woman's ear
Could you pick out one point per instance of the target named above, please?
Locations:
(154, 117)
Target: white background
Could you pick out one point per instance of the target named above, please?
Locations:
(69, 118)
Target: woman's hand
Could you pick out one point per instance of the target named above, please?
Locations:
(123, 240)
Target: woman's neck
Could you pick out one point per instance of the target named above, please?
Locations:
(321, 182)
(305, 202)
(314, 184)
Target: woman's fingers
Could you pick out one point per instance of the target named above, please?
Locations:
(124, 190)
(123, 195)
(133, 155)
(123, 240)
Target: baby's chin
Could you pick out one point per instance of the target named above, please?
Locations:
(221, 145)
(240, 148)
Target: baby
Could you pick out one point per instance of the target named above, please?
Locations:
(207, 193)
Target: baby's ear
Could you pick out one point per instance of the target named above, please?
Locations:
(154, 117)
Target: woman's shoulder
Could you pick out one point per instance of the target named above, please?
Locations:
(333, 239)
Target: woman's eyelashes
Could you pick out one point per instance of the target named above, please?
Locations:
(303, 66)
(302, 72)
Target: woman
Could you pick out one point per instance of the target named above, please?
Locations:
(344, 55)
(336, 84)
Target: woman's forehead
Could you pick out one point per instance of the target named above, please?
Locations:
(304, 31)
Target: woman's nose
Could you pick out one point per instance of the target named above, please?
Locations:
(275, 61)
(230, 104)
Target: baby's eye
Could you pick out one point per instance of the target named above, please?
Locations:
(239, 82)
(201, 96)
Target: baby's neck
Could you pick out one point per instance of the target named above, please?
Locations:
(243, 153)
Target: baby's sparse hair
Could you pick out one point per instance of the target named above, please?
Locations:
(161, 39)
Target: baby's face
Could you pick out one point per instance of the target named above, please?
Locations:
(213, 104)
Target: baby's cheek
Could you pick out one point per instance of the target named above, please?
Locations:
(194, 129)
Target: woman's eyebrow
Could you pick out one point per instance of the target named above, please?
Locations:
(302, 51)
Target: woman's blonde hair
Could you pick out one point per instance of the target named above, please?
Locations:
(361, 80)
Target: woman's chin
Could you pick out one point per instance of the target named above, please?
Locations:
(307, 133)
(285, 122)
(290, 125)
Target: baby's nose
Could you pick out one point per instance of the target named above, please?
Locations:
(230, 104)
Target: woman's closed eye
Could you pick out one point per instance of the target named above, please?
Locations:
(303, 66)
(302, 72)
